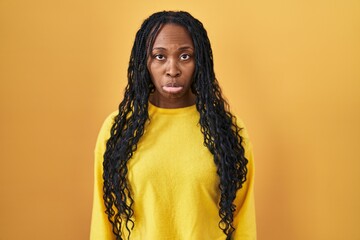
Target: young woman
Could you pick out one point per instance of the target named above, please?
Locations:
(172, 162)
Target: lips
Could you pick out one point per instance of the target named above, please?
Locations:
(172, 88)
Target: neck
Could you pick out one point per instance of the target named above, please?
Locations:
(157, 101)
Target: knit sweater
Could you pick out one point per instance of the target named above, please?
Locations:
(174, 183)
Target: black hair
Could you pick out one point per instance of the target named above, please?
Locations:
(217, 124)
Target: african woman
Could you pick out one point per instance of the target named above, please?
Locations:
(173, 162)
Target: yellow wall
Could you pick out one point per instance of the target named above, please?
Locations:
(290, 69)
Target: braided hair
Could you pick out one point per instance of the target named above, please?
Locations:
(217, 124)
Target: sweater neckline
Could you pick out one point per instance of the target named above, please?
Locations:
(171, 111)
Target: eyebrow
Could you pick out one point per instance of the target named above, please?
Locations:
(181, 48)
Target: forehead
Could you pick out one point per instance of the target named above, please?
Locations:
(172, 34)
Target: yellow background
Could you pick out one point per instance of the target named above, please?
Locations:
(290, 69)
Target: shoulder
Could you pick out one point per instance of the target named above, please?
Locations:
(243, 130)
(245, 139)
(109, 120)
(104, 132)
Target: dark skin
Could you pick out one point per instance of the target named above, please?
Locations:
(171, 65)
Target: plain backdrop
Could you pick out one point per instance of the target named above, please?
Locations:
(290, 70)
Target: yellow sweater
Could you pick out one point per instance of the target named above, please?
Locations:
(174, 183)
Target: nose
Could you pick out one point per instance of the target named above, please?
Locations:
(173, 69)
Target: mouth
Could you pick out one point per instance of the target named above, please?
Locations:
(172, 88)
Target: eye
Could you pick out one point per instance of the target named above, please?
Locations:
(159, 57)
(184, 56)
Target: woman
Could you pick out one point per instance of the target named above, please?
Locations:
(173, 162)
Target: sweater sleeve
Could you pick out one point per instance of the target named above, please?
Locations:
(101, 228)
(244, 215)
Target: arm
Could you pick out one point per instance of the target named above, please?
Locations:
(244, 215)
(101, 228)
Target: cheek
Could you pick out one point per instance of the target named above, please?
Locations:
(154, 70)
(155, 77)
(191, 70)
(150, 71)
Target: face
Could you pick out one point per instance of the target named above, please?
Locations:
(171, 64)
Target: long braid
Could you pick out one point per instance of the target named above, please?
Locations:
(218, 125)
(221, 133)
